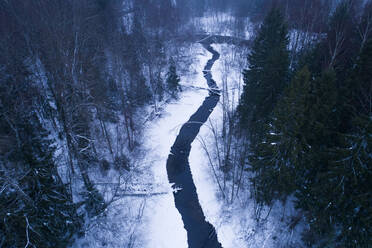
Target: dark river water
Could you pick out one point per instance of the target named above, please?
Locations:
(200, 233)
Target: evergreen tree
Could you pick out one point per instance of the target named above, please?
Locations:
(284, 145)
(35, 207)
(350, 173)
(173, 80)
(294, 155)
(267, 73)
(312, 191)
(303, 151)
(137, 52)
(349, 183)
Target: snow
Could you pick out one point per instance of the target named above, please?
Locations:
(235, 223)
(224, 23)
(205, 183)
(153, 221)
(165, 227)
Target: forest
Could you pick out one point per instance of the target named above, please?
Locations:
(186, 123)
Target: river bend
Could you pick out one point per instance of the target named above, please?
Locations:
(200, 233)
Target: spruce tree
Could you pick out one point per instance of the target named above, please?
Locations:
(137, 53)
(173, 80)
(318, 147)
(350, 173)
(277, 158)
(267, 74)
(349, 181)
(36, 208)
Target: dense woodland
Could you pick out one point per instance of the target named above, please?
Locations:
(77, 78)
(310, 130)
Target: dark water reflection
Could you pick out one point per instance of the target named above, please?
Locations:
(200, 233)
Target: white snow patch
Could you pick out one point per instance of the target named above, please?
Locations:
(164, 227)
(224, 23)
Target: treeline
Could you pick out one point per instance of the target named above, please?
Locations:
(74, 76)
(307, 116)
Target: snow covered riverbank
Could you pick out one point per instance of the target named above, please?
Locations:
(165, 226)
(152, 220)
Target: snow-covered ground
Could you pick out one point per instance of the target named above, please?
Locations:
(152, 220)
(164, 226)
(223, 23)
(235, 222)
(207, 188)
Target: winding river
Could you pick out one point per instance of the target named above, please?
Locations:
(200, 233)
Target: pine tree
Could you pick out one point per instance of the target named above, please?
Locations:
(332, 175)
(36, 207)
(267, 74)
(291, 156)
(137, 53)
(276, 160)
(350, 173)
(173, 80)
(349, 181)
